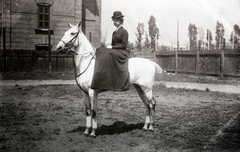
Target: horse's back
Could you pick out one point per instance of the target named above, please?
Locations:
(142, 71)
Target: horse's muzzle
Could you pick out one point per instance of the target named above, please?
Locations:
(61, 50)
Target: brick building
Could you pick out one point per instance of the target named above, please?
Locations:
(23, 19)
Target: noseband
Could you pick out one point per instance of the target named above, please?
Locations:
(68, 45)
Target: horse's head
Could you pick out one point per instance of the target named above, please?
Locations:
(69, 40)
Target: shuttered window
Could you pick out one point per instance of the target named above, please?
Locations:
(44, 15)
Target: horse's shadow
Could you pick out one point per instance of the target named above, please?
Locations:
(117, 127)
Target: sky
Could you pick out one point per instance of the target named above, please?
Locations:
(203, 13)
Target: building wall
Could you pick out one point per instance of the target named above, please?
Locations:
(20, 19)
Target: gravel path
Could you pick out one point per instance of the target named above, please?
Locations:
(226, 88)
(184, 85)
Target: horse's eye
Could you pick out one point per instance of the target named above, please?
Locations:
(72, 33)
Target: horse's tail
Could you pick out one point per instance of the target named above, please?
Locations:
(158, 69)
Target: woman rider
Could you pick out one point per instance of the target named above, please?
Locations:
(111, 64)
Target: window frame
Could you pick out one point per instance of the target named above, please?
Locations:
(44, 15)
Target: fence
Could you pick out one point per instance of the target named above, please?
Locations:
(213, 62)
(31, 60)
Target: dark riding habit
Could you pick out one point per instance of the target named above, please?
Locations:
(111, 65)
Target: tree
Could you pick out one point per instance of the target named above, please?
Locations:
(201, 35)
(147, 43)
(192, 33)
(151, 27)
(235, 35)
(139, 34)
(219, 34)
(209, 39)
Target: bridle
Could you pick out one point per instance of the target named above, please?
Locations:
(68, 45)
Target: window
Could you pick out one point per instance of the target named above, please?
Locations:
(44, 15)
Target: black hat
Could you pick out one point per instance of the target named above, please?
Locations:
(117, 14)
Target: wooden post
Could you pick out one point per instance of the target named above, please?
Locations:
(233, 39)
(224, 43)
(49, 51)
(197, 62)
(155, 49)
(222, 63)
(47, 32)
(176, 61)
(199, 45)
(4, 50)
(176, 53)
(32, 61)
(208, 33)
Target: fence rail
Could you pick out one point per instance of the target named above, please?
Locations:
(214, 62)
(31, 60)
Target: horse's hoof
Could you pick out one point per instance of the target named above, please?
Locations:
(93, 135)
(145, 129)
(86, 133)
(151, 130)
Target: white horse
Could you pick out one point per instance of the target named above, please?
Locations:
(142, 73)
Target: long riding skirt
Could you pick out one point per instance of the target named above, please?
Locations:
(111, 70)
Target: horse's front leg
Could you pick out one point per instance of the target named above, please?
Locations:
(93, 94)
(88, 114)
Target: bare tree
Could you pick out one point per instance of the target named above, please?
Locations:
(209, 39)
(139, 34)
(192, 33)
(219, 35)
(201, 35)
(235, 35)
(147, 43)
(151, 27)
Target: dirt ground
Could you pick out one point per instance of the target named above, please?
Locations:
(163, 77)
(52, 119)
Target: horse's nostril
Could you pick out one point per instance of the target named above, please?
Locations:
(59, 49)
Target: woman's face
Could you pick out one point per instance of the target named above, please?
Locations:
(116, 22)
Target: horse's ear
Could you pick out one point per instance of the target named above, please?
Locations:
(79, 24)
(70, 25)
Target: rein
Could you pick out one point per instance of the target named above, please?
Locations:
(67, 46)
(78, 75)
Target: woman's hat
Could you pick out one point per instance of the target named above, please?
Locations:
(117, 14)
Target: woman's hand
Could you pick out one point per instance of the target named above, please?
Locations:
(109, 46)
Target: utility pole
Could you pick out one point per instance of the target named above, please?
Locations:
(156, 32)
(208, 34)
(176, 53)
(233, 39)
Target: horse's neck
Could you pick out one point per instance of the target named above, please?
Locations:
(83, 58)
(86, 46)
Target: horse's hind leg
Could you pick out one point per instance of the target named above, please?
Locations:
(152, 105)
(149, 102)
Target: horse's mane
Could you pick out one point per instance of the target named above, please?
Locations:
(86, 45)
